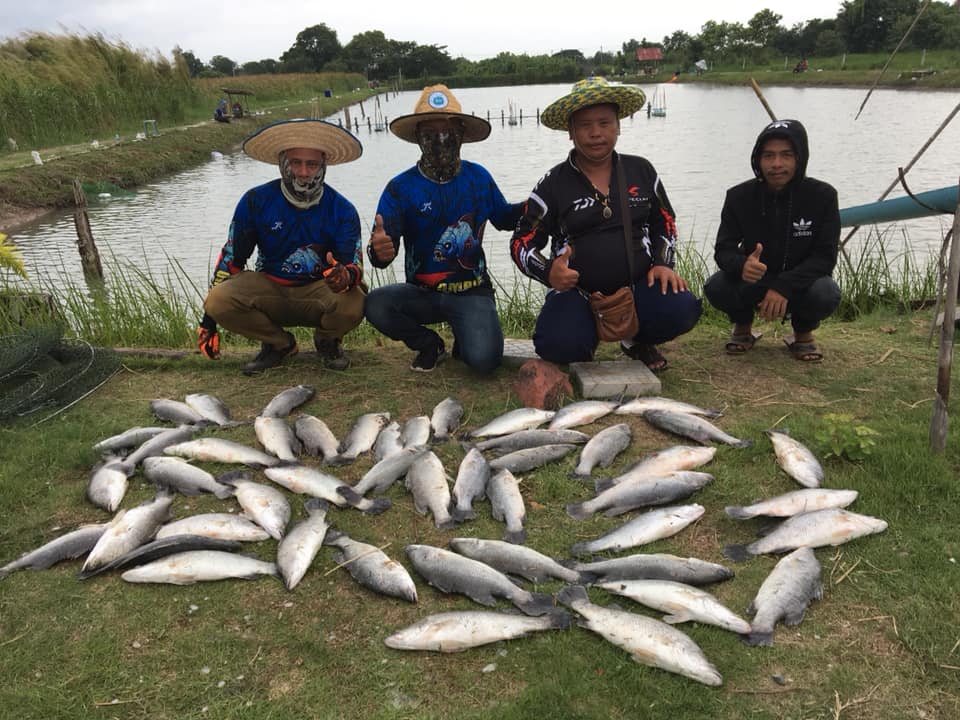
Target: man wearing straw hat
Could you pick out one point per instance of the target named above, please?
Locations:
(307, 237)
(440, 207)
(610, 227)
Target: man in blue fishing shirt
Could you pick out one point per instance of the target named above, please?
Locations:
(307, 237)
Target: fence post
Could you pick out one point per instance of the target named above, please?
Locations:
(89, 256)
(940, 422)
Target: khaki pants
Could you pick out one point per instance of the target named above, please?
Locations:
(253, 305)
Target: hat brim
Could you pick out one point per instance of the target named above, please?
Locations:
(339, 145)
(474, 129)
(628, 100)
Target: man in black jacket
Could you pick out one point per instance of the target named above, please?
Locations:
(777, 245)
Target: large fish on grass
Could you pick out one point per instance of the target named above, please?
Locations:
(785, 594)
(640, 405)
(265, 505)
(515, 560)
(520, 461)
(416, 432)
(382, 475)
(671, 459)
(128, 439)
(649, 642)
(450, 572)
(580, 413)
(178, 474)
(108, 484)
(471, 484)
(651, 525)
(223, 526)
(461, 630)
(277, 438)
(796, 459)
(388, 442)
(655, 566)
(794, 503)
(286, 401)
(68, 546)
(371, 567)
(507, 505)
(603, 448)
(832, 526)
(445, 418)
(522, 439)
(211, 408)
(427, 482)
(195, 566)
(129, 529)
(177, 412)
(641, 492)
(299, 547)
(363, 434)
(315, 437)
(513, 421)
(213, 449)
(306, 480)
(160, 548)
(693, 427)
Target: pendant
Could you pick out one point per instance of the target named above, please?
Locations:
(607, 213)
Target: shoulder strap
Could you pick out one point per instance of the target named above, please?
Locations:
(625, 214)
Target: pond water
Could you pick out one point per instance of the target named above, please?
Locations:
(700, 148)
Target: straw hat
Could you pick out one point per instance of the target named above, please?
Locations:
(595, 90)
(339, 145)
(438, 103)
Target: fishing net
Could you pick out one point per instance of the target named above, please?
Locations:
(41, 372)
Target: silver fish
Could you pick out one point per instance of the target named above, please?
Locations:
(306, 480)
(461, 630)
(796, 459)
(178, 474)
(513, 421)
(785, 594)
(583, 412)
(651, 525)
(265, 505)
(693, 427)
(175, 411)
(603, 448)
(285, 402)
(219, 450)
(641, 492)
(471, 484)
(512, 559)
(223, 526)
(129, 529)
(388, 442)
(108, 484)
(211, 408)
(68, 546)
(299, 547)
(682, 603)
(655, 566)
(445, 418)
(427, 481)
(640, 405)
(832, 526)
(195, 566)
(506, 502)
(416, 432)
(520, 461)
(372, 568)
(649, 642)
(277, 437)
(360, 439)
(678, 457)
(386, 472)
(128, 439)
(523, 439)
(794, 503)
(316, 437)
(452, 573)
(156, 549)
(158, 443)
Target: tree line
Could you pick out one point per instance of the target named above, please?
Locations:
(861, 26)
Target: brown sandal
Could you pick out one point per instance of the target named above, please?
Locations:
(742, 343)
(806, 351)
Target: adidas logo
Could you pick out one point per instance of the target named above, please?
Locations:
(801, 228)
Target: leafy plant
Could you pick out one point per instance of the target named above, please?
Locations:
(842, 436)
(10, 258)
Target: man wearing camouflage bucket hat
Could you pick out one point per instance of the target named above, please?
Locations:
(579, 207)
(307, 237)
(440, 207)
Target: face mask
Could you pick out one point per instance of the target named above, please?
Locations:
(440, 150)
(301, 193)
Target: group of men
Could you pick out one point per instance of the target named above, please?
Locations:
(594, 224)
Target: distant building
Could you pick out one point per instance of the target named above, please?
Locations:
(649, 59)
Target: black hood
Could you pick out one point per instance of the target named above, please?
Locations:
(790, 130)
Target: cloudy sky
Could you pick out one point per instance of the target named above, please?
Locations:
(245, 31)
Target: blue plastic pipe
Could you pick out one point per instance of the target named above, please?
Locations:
(944, 201)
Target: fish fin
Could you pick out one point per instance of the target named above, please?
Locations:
(189, 492)
(316, 504)
(794, 617)
(559, 619)
(571, 594)
(619, 510)
(675, 618)
(737, 512)
(575, 474)
(515, 537)
(378, 506)
(712, 413)
(231, 477)
(737, 553)
(338, 460)
(350, 495)
(463, 515)
(743, 443)
(332, 536)
(223, 492)
(448, 524)
(581, 548)
(588, 578)
(537, 604)
(577, 511)
(758, 638)
(768, 526)
(601, 484)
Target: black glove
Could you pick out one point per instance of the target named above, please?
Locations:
(208, 339)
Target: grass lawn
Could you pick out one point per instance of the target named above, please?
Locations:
(883, 643)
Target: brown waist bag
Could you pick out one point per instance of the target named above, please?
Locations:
(615, 315)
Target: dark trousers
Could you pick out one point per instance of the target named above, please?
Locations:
(566, 331)
(739, 300)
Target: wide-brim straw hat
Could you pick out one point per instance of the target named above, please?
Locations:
(438, 103)
(339, 145)
(592, 91)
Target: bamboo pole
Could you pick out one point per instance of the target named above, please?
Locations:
(89, 256)
(940, 422)
(763, 100)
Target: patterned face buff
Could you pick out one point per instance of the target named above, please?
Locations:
(440, 160)
(301, 193)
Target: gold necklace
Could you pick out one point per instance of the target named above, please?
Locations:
(605, 201)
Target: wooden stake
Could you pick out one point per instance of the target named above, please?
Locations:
(763, 100)
(89, 256)
(939, 424)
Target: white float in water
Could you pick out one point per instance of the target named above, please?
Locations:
(36, 157)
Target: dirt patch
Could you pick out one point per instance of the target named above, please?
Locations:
(13, 217)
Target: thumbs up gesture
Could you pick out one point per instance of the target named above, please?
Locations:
(336, 274)
(382, 244)
(562, 276)
(753, 269)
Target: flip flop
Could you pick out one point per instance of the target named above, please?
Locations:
(648, 355)
(803, 351)
(741, 343)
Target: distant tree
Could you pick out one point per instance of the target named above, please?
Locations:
(260, 67)
(427, 60)
(574, 54)
(193, 63)
(366, 53)
(938, 27)
(719, 38)
(222, 65)
(789, 41)
(630, 48)
(314, 47)
(866, 25)
(763, 28)
(828, 44)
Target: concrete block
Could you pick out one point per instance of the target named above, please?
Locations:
(516, 351)
(614, 378)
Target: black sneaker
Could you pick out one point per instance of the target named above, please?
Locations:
(330, 351)
(270, 356)
(428, 358)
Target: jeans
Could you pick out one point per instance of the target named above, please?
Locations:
(402, 311)
(566, 331)
(739, 300)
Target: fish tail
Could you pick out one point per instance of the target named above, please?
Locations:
(601, 484)
(758, 637)
(515, 537)
(338, 460)
(737, 513)
(315, 504)
(577, 474)
(581, 548)
(463, 515)
(222, 493)
(332, 536)
(232, 477)
(537, 604)
(447, 523)
(571, 594)
(587, 578)
(577, 511)
(378, 506)
(559, 619)
(737, 553)
(712, 413)
(743, 443)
